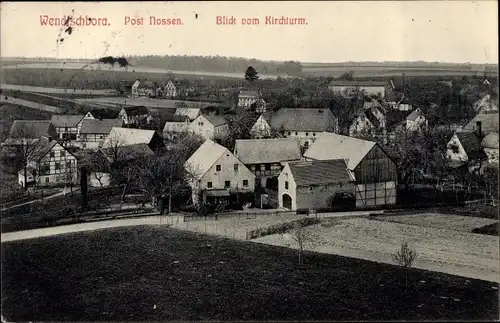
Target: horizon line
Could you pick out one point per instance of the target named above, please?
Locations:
(247, 58)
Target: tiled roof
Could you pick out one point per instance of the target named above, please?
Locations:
(66, 120)
(249, 93)
(358, 83)
(31, 129)
(414, 114)
(320, 172)
(490, 141)
(489, 123)
(374, 121)
(128, 153)
(471, 144)
(192, 113)
(332, 146)
(128, 136)
(136, 110)
(314, 120)
(215, 120)
(103, 126)
(261, 151)
(204, 158)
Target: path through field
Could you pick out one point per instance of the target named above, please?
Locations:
(50, 90)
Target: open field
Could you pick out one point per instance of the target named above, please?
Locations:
(454, 252)
(50, 90)
(440, 221)
(29, 104)
(156, 103)
(131, 69)
(156, 273)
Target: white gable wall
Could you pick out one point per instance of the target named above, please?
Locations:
(461, 155)
(260, 128)
(286, 176)
(202, 127)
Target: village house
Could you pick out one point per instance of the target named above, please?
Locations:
(52, 164)
(146, 88)
(371, 118)
(120, 137)
(176, 126)
(313, 185)
(304, 124)
(490, 146)
(217, 174)
(126, 86)
(210, 126)
(170, 91)
(486, 105)
(191, 113)
(464, 151)
(347, 88)
(247, 98)
(93, 131)
(261, 127)
(265, 157)
(374, 171)
(135, 88)
(485, 123)
(68, 125)
(100, 172)
(416, 121)
(135, 115)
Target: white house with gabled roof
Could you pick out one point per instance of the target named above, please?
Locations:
(217, 174)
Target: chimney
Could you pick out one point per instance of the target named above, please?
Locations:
(479, 128)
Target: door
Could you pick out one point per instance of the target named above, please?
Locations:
(287, 201)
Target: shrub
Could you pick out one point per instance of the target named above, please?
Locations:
(281, 228)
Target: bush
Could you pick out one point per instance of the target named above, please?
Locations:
(282, 227)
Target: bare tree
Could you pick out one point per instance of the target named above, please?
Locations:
(405, 257)
(301, 237)
(24, 146)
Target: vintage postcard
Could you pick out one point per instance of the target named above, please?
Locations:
(249, 161)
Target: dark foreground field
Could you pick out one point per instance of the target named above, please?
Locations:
(155, 273)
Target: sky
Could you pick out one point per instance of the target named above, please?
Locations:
(336, 31)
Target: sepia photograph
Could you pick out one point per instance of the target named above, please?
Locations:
(249, 161)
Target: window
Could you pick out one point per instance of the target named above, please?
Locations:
(47, 180)
(52, 154)
(296, 133)
(340, 184)
(236, 167)
(286, 185)
(68, 164)
(209, 184)
(268, 166)
(310, 188)
(314, 134)
(218, 168)
(306, 144)
(307, 133)
(62, 153)
(289, 133)
(58, 166)
(100, 137)
(257, 167)
(245, 183)
(227, 184)
(58, 179)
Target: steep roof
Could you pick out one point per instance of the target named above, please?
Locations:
(128, 153)
(30, 129)
(66, 120)
(192, 113)
(204, 158)
(315, 120)
(489, 123)
(414, 115)
(358, 83)
(136, 110)
(215, 120)
(471, 144)
(332, 146)
(262, 151)
(320, 172)
(373, 119)
(490, 141)
(128, 136)
(103, 126)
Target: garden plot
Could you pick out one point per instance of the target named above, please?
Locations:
(440, 221)
(453, 252)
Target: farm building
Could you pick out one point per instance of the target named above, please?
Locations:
(30, 129)
(416, 121)
(119, 137)
(135, 115)
(317, 184)
(176, 126)
(51, 164)
(304, 124)
(93, 132)
(378, 88)
(191, 113)
(369, 118)
(68, 125)
(210, 126)
(485, 123)
(218, 175)
(464, 150)
(265, 157)
(247, 98)
(374, 172)
(262, 126)
(170, 90)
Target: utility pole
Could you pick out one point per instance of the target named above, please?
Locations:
(170, 189)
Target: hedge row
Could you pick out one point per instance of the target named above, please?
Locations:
(281, 228)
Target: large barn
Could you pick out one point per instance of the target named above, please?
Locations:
(375, 173)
